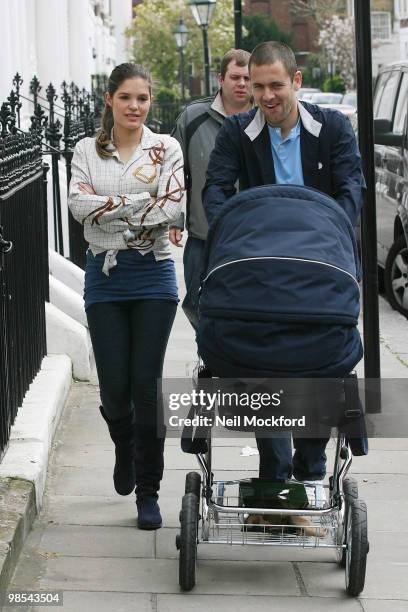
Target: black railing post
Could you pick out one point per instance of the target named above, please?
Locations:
(372, 368)
(77, 243)
(206, 60)
(35, 89)
(46, 264)
(53, 136)
(238, 23)
(17, 82)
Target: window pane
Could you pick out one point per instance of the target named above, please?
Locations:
(379, 90)
(401, 110)
(385, 102)
(381, 25)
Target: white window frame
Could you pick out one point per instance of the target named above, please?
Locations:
(385, 17)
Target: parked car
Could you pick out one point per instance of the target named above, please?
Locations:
(350, 98)
(391, 175)
(326, 97)
(347, 110)
(304, 93)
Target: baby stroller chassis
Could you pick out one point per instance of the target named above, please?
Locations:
(211, 514)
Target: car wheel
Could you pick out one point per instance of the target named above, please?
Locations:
(396, 276)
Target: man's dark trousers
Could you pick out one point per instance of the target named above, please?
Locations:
(193, 265)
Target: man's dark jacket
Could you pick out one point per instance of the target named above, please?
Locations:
(331, 161)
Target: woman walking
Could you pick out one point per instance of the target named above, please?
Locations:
(127, 185)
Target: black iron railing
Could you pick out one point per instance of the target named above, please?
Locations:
(23, 267)
(162, 117)
(59, 120)
(23, 223)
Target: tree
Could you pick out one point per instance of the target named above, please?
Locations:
(320, 10)
(336, 35)
(336, 40)
(314, 74)
(259, 28)
(334, 84)
(154, 44)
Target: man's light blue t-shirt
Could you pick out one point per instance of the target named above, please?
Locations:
(286, 156)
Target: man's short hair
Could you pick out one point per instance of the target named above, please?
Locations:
(271, 52)
(239, 56)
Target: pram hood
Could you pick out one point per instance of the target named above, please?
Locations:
(281, 253)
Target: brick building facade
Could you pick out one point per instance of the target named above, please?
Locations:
(304, 31)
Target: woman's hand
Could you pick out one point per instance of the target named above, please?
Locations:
(176, 236)
(85, 188)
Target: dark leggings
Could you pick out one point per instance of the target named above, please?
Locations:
(129, 340)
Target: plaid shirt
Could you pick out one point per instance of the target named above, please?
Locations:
(134, 202)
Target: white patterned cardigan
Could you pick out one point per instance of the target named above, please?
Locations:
(135, 201)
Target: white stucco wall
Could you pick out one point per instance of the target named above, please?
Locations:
(385, 53)
(122, 18)
(55, 39)
(81, 42)
(52, 42)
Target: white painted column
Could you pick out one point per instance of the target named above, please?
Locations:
(30, 38)
(80, 29)
(26, 65)
(7, 44)
(52, 42)
(99, 47)
(122, 19)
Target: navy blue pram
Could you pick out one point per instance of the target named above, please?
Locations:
(280, 293)
(279, 299)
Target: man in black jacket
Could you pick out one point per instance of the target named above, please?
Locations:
(284, 141)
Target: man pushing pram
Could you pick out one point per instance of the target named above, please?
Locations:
(280, 300)
(310, 254)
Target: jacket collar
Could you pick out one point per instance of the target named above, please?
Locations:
(149, 139)
(311, 125)
(218, 105)
(217, 108)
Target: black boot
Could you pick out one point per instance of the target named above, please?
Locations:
(148, 513)
(149, 469)
(122, 433)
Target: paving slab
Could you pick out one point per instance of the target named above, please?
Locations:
(381, 462)
(161, 576)
(381, 488)
(84, 601)
(174, 459)
(191, 602)
(393, 605)
(387, 516)
(383, 580)
(94, 541)
(98, 481)
(387, 546)
(92, 510)
(389, 444)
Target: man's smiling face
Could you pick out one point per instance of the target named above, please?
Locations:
(275, 92)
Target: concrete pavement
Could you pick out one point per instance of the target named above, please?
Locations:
(85, 543)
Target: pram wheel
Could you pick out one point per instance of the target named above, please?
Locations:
(188, 541)
(193, 484)
(350, 489)
(357, 547)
